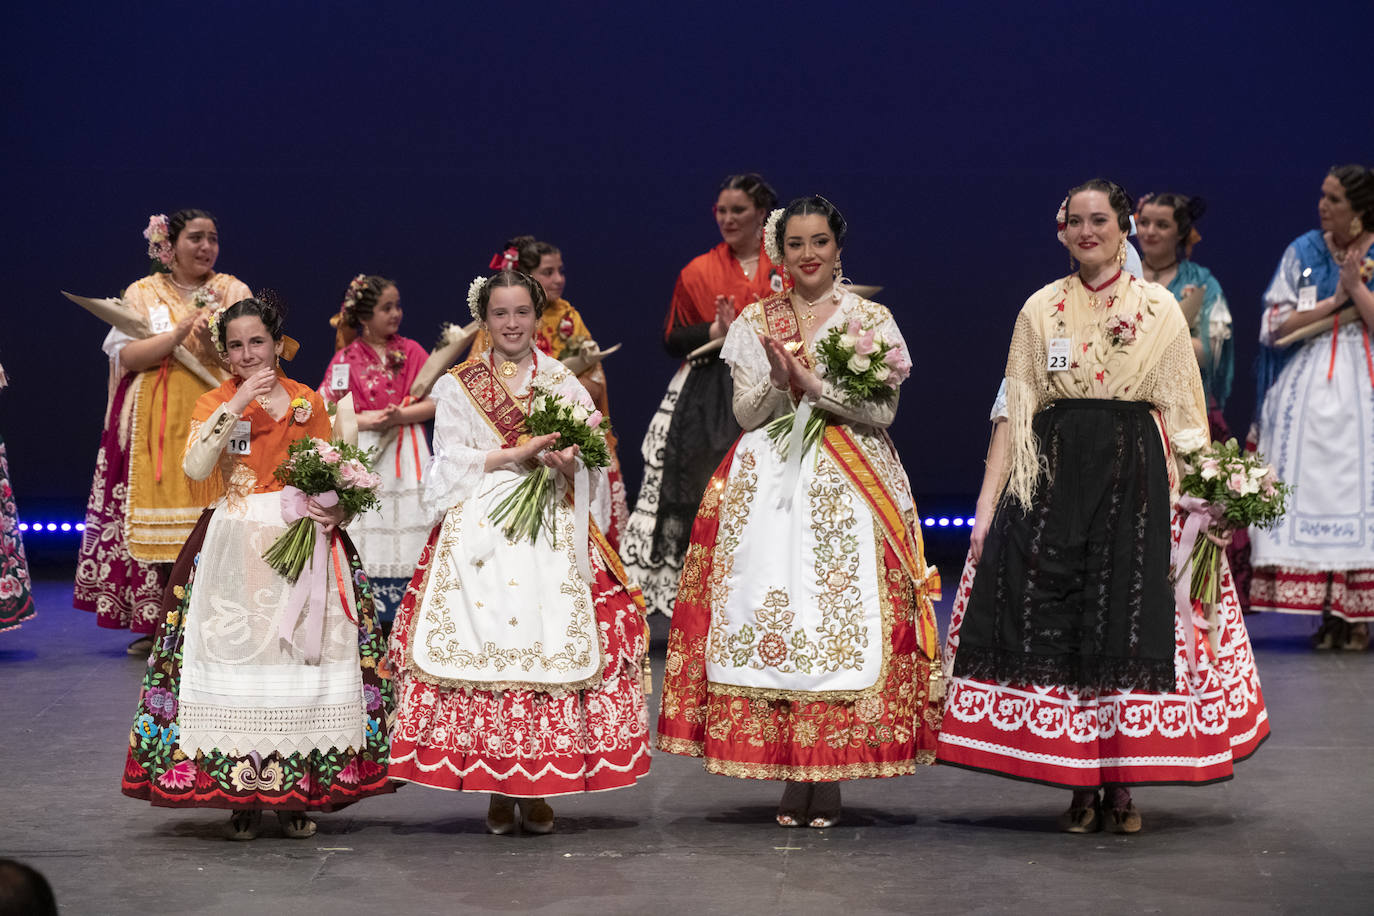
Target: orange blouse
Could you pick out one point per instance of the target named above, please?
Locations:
(270, 438)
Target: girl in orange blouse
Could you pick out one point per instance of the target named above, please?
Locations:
(260, 693)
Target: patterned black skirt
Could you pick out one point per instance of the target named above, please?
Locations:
(1075, 592)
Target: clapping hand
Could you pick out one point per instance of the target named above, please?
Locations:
(786, 371)
(725, 316)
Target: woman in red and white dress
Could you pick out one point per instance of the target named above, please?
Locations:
(516, 674)
(1072, 664)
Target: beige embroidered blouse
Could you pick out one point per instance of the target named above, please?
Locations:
(1126, 342)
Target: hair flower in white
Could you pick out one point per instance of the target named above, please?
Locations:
(474, 296)
(772, 245)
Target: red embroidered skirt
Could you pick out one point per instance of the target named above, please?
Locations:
(1081, 740)
(524, 743)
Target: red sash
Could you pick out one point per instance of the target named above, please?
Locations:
(782, 323)
(492, 399)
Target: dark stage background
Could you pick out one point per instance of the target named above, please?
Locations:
(411, 140)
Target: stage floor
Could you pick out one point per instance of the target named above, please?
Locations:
(1291, 833)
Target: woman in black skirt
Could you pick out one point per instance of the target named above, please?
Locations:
(1072, 663)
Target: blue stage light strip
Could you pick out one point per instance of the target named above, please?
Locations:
(948, 521)
(52, 527)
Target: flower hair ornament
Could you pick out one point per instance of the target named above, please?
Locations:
(213, 328)
(505, 260)
(159, 244)
(350, 300)
(1061, 222)
(772, 245)
(475, 296)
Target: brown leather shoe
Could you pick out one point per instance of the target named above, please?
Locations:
(1122, 820)
(536, 816)
(1081, 820)
(500, 814)
(1357, 638)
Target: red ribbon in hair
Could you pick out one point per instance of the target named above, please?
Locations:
(504, 259)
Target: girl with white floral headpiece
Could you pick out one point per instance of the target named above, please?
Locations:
(803, 647)
(1074, 660)
(378, 367)
(694, 426)
(141, 509)
(517, 659)
(563, 334)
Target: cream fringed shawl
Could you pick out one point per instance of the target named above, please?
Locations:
(1130, 344)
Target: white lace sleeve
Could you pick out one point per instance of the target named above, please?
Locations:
(114, 344)
(600, 496)
(999, 403)
(1281, 298)
(461, 442)
(755, 400)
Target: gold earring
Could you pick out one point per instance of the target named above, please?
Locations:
(839, 270)
(1121, 253)
(1357, 226)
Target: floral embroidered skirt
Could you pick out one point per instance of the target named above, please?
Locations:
(16, 590)
(887, 733)
(1344, 593)
(159, 771)
(122, 592)
(1083, 739)
(525, 743)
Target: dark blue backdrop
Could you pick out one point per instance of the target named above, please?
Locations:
(410, 140)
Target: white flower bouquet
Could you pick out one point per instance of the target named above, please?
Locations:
(527, 508)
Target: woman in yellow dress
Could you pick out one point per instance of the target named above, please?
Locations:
(141, 509)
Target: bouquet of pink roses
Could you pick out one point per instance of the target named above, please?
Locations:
(526, 509)
(1229, 488)
(860, 362)
(314, 467)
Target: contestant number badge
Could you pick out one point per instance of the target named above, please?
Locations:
(159, 320)
(241, 439)
(1307, 298)
(338, 377)
(1059, 354)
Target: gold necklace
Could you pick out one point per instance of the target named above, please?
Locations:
(810, 315)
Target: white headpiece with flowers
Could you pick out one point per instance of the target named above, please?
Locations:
(772, 245)
(1061, 221)
(474, 297)
(159, 244)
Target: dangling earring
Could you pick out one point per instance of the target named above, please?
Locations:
(1121, 253)
(1356, 226)
(836, 277)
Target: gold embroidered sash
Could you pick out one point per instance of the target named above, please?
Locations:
(845, 453)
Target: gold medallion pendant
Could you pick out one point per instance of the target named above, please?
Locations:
(507, 369)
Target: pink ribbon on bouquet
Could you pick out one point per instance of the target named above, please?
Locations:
(1201, 516)
(312, 585)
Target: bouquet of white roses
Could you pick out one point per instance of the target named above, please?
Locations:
(528, 507)
(1234, 489)
(314, 467)
(863, 364)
